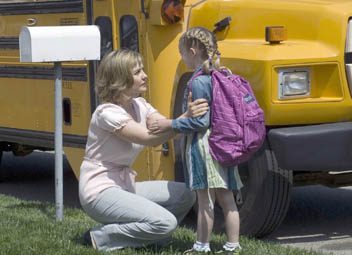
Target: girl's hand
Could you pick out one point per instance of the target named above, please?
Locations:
(160, 126)
(197, 108)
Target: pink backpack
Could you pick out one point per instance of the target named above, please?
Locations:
(237, 121)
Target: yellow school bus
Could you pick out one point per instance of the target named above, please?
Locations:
(297, 55)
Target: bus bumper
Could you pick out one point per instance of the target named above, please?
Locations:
(324, 147)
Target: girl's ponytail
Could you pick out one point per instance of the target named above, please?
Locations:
(212, 63)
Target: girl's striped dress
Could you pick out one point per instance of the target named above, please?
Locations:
(202, 171)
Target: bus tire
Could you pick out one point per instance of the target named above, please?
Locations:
(178, 166)
(265, 195)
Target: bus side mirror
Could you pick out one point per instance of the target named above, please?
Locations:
(166, 12)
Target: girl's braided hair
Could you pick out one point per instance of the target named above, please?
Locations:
(205, 42)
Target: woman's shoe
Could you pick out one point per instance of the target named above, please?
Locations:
(87, 239)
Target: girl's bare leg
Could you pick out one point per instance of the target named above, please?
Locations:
(226, 201)
(205, 219)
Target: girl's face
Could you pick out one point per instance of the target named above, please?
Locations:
(188, 57)
(140, 81)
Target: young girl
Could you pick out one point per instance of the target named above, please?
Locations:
(211, 181)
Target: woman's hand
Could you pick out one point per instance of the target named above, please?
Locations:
(197, 108)
(160, 126)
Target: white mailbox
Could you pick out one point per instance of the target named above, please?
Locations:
(59, 43)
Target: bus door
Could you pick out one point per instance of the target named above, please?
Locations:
(128, 32)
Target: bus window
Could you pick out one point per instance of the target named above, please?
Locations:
(105, 27)
(129, 33)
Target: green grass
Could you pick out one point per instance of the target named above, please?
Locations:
(28, 227)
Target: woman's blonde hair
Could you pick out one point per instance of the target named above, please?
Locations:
(115, 75)
(205, 42)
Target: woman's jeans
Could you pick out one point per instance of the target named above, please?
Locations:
(135, 220)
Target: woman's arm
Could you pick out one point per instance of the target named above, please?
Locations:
(136, 133)
(153, 118)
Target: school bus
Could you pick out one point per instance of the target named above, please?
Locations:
(297, 55)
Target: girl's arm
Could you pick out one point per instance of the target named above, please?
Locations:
(195, 108)
(201, 88)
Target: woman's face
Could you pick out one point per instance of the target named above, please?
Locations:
(140, 81)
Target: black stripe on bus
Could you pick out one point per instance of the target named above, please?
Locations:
(39, 138)
(348, 58)
(9, 43)
(63, 6)
(46, 73)
(89, 11)
(92, 64)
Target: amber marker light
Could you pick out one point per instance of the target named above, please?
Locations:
(172, 11)
(275, 34)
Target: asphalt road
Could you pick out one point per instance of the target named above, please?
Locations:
(33, 178)
(319, 218)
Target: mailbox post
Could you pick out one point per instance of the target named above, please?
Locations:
(57, 44)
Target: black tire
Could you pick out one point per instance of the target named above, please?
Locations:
(179, 174)
(265, 195)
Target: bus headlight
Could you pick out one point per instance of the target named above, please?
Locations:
(294, 83)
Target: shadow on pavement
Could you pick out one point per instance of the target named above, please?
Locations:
(33, 178)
